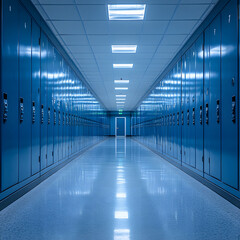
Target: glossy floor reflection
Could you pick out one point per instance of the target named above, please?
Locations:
(120, 190)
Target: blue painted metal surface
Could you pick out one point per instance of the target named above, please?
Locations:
(36, 105)
(38, 88)
(25, 104)
(120, 126)
(9, 78)
(230, 81)
(209, 110)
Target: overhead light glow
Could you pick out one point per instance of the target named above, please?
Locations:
(121, 214)
(124, 48)
(120, 99)
(121, 88)
(121, 81)
(121, 95)
(126, 11)
(122, 65)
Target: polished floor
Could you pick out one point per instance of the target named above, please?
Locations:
(120, 190)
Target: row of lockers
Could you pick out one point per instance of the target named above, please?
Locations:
(192, 116)
(47, 114)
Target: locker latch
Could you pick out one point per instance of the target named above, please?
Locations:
(207, 114)
(182, 118)
(49, 115)
(59, 117)
(33, 112)
(42, 114)
(193, 116)
(21, 110)
(233, 109)
(5, 107)
(188, 117)
(178, 118)
(55, 117)
(218, 111)
(201, 115)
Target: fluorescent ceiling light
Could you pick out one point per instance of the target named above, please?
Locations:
(120, 99)
(122, 65)
(121, 95)
(121, 81)
(124, 48)
(126, 11)
(121, 88)
(121, 214)
(120, 102)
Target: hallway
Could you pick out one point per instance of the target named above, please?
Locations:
(119, 190)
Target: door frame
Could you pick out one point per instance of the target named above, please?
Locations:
(116, 126)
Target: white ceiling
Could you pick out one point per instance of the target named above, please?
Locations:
(83, 28)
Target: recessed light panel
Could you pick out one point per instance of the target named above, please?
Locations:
(122, 65)
(121, 88)
(120, 99)
(121, 95)
(126, 11)
(121, 81)
(124, 48)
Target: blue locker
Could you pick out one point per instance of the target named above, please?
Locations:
(25, 104)
(214, 103)
(178, 117)
(192, 107)
(56, 108)
(229, 71)
(206, 127)
(199, 104)
(50, 80)
(35, 98)
(43, 97)
(9, 94)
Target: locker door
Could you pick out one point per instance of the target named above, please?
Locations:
(229, 71)
(35, 98)
(50, 80)
(44, 73)
(192, 108)
(207, 130)
(25, 105)
(9, 94)
(199, 103)
(178, 117)
(214, 104)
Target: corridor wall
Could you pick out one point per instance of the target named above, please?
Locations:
(191, 117)
(47, 113)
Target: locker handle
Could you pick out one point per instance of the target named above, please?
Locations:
(21, 108)
(49, 115)
(178, 118)
(233, 109)
(59, 117)
(182, 118)
(201, 115)
(188, 117)
(207, 113)
(55, 116)
(193, 116)
(5, 107)
(33, 112)
(42, 113)
(218, 111)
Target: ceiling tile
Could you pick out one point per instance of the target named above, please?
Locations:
(154, 27)
(75, 40)
(159, 12)
(61, 12)
(180, 27)
(68, 27)
(93, 12)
